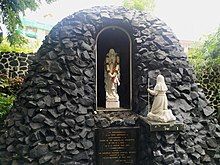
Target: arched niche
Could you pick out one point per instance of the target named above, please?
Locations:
(118, 39)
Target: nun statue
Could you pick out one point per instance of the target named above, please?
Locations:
(159, 111)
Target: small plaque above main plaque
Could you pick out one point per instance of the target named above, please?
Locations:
(117, 146)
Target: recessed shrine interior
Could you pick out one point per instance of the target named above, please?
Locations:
(118, 39)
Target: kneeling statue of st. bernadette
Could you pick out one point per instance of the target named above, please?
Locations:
(159, 111)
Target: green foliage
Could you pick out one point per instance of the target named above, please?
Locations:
(5, 46)
(11, 10)
(8, 89)
(141, 5)
(205, 58)
(6, 102)
(206, 53)
(9, 85)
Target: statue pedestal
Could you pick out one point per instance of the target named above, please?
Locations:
(159, 126)
(112, 103)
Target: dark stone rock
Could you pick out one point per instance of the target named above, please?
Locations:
(90, 135)
(38, 118)
(57, 99)
(160, 55)
(187, 97)
(90, 122)
(81, 156)
(170, 138)
(208, 111)
(53, 113)
(171, 97)
(200, 150)
(39, 151)
(85, 55)
(176, 92)
(64, 98)
(194, 87)
(178, 149)
(25, 129)
(49, 122)
(75, 70)
(199, 126)
(157, 153)
(80, 119)
(54, 67)
(129, 121)
(71, 146)
(104, 123)
(83, 133)
(202, 95)
(169, 159)
(194, 95)
(31, 104)
(79, 146)
(10, 148)
(195, 155)
(183, 105)
(70, 122)
(190, 150)
(41, 104)
(184, 88)
(54, 145)
(89, 72)
(206, 159)
(61, 108)
(23, 149)
(87, 144)
(82, 110)
(211, 152)
(71, 107)
(211, 142)
(48, 100)
(202, 103)
(52, 55)
(116, 122)
(167, 149)
(35, 126)
(85, 101)
(45, 158)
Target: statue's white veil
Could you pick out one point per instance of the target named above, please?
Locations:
(160, 86)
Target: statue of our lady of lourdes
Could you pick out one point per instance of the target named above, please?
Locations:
(112, 76)
(159, 111)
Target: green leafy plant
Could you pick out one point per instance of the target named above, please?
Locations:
(205, 57)
(8, 89)
(10, 85)
(207, 52)
(11, 10)
(141, 5)
(6, 102)
(5, 46)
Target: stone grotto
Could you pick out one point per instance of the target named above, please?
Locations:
(57, 111)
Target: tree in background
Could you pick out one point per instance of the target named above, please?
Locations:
(141, 5)
(207, 52)
(205, 58)
(10, 11)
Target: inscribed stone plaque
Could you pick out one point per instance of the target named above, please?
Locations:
(117, 146)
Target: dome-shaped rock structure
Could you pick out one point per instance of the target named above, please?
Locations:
(53, 119)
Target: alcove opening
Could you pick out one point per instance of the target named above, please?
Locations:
(119, 40)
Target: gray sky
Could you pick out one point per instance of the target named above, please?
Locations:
(189, 19)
